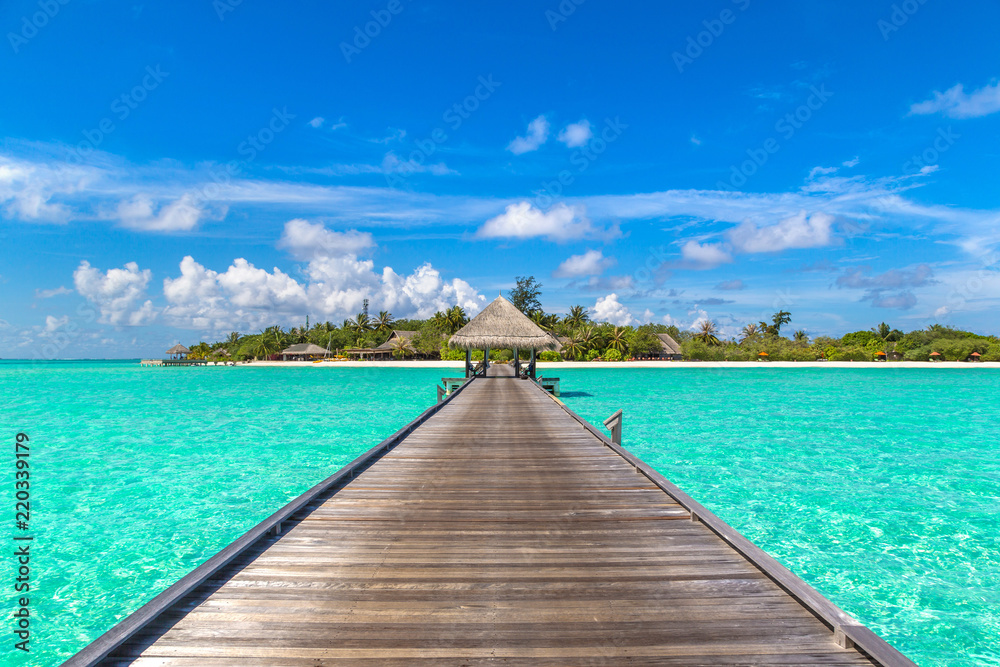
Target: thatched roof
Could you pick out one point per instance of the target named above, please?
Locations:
(178, 349)
(387, 345)
(502, 326)
(670, 346)
(305, 348)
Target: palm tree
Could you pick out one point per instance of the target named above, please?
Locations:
(402, 348)
(384, 321)
(616, 339)
(456, 318)
(750, 332)
(359, 325)
(266, 345)
(588, 338)
(577, 317)
(706, 333)
(233, 339)
(574, 348)
(801, 337)
(539, 318)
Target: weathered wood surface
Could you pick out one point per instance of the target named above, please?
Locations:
(499, 531)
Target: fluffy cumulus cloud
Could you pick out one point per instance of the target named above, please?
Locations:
(142, 213)
(538, 134)
(609, 309)
(305, 240)
(705, 255)
(892, 289)
(956, 103)
(336, 283)
(560, 223)
(575, 135)
(590, 263)
(796, 231)
(117, 293)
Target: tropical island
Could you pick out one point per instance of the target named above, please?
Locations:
(581, 339)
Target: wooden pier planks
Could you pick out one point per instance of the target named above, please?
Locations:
(499, 531)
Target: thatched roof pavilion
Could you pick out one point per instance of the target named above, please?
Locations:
(501, 326)
(303, 350)
(179, 350)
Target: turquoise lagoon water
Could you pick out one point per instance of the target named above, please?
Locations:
(878, 486)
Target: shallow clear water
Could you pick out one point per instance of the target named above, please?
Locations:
(880, 487)
(877, 486)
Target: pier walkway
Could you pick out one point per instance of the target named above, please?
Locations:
(500, 530)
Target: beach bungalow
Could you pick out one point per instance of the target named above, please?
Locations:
(670, 349)
(303, 351)
(178, 352)
(501, 326)
(384, 351)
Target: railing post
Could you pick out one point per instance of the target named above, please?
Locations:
(441, 393)
(614, 424)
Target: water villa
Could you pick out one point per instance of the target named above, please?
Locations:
(497, 527)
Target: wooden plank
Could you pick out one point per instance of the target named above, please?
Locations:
(501, 529)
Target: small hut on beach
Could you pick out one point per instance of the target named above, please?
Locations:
(302, 351)
(501, 326)
(178, 352)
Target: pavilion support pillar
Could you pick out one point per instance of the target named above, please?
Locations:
(468, 363)
(531, 364)
(486, 361)
(517, 364)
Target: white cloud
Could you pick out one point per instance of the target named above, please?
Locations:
(609, 309)
(695, 140)
(956, 103)
(177, 216)
(116, 293)
(590, 263)
(245, 297)
(853, 162)
(538, 134)
(391, 164)
(708, 255)
(796, 231)
(317, 121)
(731, 285)
(575, 135)
(49, 293)
(559, 223)
(54, 323)
(27, 190)
(306, 240)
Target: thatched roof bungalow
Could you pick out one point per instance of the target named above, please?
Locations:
(178, 351)
(303, 350)
(501, 326)
(385, 350)
(669, 348)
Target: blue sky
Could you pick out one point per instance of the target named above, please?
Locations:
(175, 171)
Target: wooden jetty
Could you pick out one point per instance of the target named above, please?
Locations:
(497, 528)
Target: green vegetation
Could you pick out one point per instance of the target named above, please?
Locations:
(584, 340)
